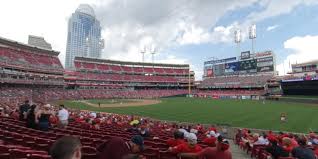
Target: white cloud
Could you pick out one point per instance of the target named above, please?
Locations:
(303, 49)
(273, 27)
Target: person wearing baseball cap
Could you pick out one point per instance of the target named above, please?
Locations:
(221, 151)
(190, 147)
(117, 148)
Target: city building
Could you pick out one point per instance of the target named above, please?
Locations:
(38, 41)
(84, 35)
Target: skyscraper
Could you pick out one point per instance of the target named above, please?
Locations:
(84, 35)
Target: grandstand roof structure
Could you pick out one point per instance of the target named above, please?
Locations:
(85, 59)
(306, 63)
(14, 44)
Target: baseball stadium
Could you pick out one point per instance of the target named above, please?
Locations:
(99, 108)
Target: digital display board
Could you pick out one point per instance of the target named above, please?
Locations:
(248, 65)
(231, 67)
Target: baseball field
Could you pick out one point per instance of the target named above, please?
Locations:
(239, 113)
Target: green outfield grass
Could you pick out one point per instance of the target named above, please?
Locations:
(246, 113)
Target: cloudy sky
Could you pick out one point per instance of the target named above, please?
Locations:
(182, 31)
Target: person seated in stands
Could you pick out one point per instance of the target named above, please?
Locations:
(2, 112)
(199, 127)
(23, 109)
(43, 117)
(15, 114)
(144, 131)
(117, 148)
(30, 123)
(221, 151)
(276, 150)
(53, 121)
(177, 140)
(210, 139)
(287, 144)
(315, 146)
(261, 140)
(302, 151)
(190, 147)
(67, 147)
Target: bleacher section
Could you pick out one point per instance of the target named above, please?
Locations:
(24, 64)
(248, 81)
(96, 72)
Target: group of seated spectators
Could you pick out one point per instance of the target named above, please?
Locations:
(280, 145)
(236, 81)
(229, 92)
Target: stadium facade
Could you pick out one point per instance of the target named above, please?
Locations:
(302, 80)
(84, 35)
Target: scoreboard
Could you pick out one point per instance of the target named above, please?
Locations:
(245, 64)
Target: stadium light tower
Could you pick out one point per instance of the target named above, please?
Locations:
(143, 51)
(237, 39)
(153, 52)
(252, 35)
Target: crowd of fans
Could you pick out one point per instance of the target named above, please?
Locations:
(139, 137)
(229, 92)
(235, 81)
(278, 146)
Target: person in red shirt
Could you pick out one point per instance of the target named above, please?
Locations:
(178, 139)
(190, 147)
(210, 139)
(221, 151)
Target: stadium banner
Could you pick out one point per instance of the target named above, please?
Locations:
(262, 54)
(210, 72)
(231, 67)
(265, 59)
(248, 65)
(220, 61)
(265, 69)
(218, 70)
(245, 55)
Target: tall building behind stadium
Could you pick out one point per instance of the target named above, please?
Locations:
(84, 35)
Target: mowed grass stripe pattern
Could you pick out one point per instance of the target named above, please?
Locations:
(240, 113)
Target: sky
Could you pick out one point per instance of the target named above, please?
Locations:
(180, 31)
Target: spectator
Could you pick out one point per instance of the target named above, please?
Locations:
(315, 145)
(302, 152)
(67, 147)
(43, 117)
(262, 140)
(31, 117)
(2, 112)
(276, 151)
(144, 131)
(210, 139)
(221, 151)
(63, 116)
(178, 139)
(23, 110)
(190, 147)
(117, 148)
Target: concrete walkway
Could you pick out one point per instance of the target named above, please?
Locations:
(238, 153)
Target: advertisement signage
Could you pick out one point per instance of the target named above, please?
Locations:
(210, 73)
(265, 69)
(245, 55)
(231, 67)
(220, 61)
(218, 70)
(248, 65)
